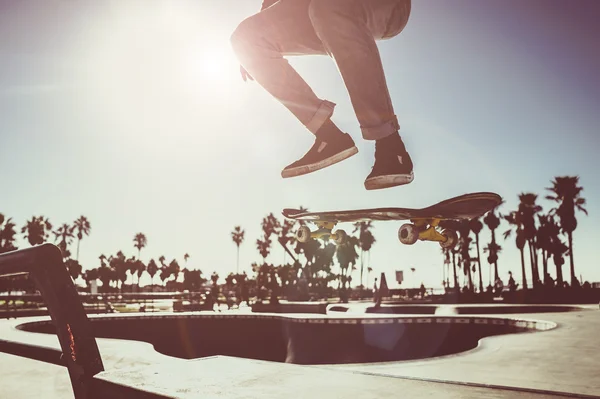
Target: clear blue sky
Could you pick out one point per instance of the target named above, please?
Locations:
(133, 114)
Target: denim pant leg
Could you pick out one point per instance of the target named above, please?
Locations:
(349, 29)
(261, 42)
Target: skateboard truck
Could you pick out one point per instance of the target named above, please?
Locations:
(408, 234)
(425, 230)
(324, 231)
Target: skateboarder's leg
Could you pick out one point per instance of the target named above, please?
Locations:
(349, 30)
(261, 42)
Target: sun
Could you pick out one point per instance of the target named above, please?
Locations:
(210, 65)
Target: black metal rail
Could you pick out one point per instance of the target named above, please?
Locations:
(45, 266)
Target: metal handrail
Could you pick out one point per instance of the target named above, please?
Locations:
(45, 266)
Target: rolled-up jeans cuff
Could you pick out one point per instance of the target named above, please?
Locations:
(381, 131)
(323, 113)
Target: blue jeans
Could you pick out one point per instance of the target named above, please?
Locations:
(346, 30)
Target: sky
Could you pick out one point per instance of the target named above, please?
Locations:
(134, 114)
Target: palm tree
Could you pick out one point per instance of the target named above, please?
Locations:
(186, 257)
(152, 269)
(37, 230)
(74, 268)
(285, 236)
(566, 193)
(493, 222)
(558, 251)
(369, 271)
(104, 274)
(64, 234)
(174, 269)
(493, 249)
(464, 247)
(346, 257)
(514, 219)
(555, 247)
(192, 280)
(132, 266)
(264, 247)
(139, 242)
(83, 227)
(164, 274)
(90, 275)
(270, 225)
(446, 267)
(140, 269)
(543, 240)
(237, 235)
(365, 242)
(528, 210)
(7, 234)
(475, 225)
(118, 264)
(455, 251)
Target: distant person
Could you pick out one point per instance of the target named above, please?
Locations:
(375, 289)
(512, 285)
(347, 31)
(499, 286)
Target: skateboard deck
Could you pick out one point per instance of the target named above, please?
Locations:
(424, 221)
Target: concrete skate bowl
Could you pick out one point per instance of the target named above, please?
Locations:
(304, 340)
(443, 310)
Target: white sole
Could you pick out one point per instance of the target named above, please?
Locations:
(380, 182)
(302, 170)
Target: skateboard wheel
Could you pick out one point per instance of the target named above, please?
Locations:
(408, 234)
(451, 239)
(303, 234)
(340, 237)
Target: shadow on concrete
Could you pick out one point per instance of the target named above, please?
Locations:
(303, 340)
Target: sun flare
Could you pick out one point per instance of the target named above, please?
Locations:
(211, 65)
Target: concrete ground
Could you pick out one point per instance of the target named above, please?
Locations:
(562, 362)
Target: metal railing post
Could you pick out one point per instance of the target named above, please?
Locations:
(45, 266)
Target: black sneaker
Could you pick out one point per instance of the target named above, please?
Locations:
(393, 166)
(321, 155)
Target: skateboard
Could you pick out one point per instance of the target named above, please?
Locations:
(424, 222)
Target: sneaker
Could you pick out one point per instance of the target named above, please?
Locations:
(321, 155)
(393, 166)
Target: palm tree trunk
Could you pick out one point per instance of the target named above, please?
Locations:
(77, 256)
(237, 268)
(545, 263)
(559, 276)
(572, 264)
(490, 274)
(470, 277)
(444, 272)
(455, 274)
(479, 263)
(496, 261)
(534, 275)
(361, 267)
(537, 264)
(524, 281)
